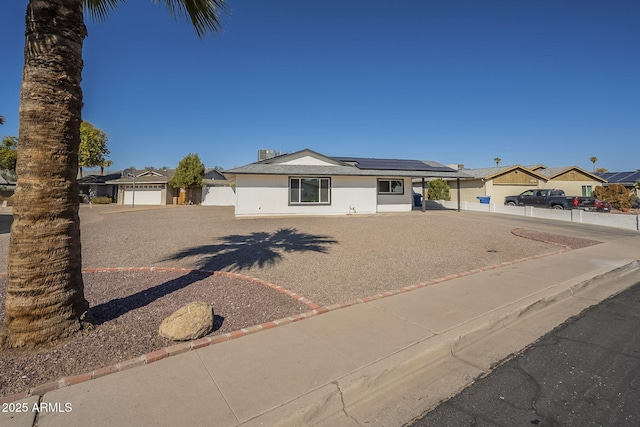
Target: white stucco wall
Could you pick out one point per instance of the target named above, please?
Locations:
(269, 195)
(218, 196)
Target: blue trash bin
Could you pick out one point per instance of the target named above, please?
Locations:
(417, 200)
(484, 200)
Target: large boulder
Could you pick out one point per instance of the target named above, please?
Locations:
(193, 321)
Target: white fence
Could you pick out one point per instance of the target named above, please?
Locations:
(631, 222)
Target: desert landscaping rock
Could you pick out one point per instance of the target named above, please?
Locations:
(193, 321)
(327, 260)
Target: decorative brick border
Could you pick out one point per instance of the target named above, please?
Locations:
(184, 347)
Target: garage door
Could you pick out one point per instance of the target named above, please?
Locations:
(143, 196)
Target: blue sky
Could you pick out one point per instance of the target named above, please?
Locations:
(546, 81)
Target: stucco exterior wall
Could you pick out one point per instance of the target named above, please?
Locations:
(218, 195)
(572, 188)
(269, 195)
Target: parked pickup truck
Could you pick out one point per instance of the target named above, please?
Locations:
(556, 199)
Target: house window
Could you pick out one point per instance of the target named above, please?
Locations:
(309, 190)
(587, 191)
(390, 186)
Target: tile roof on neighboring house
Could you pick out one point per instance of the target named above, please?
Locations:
(545, 173)
(489, 173)
(98, 179)
(214, 177)
(159, 176)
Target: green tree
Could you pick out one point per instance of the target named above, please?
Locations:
(1, 120)
(497, 160)
(189, 174)
(9, 153)
(93, 146)
(45, 298)
(439, 190)
(593, 160)
(105, 164)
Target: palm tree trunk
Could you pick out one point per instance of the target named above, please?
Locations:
(45, 294)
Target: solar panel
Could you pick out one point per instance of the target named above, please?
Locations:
(615, 177)
(393, 164)
(634, 177)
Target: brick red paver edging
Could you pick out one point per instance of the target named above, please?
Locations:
(184, 347)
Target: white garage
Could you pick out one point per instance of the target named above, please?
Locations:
(143, 195)
(148, 187)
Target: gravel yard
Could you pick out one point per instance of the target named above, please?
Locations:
(324, 259)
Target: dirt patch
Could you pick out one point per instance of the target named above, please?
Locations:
(555, 239)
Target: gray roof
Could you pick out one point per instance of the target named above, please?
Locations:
(344, 167)
(155, 176)
(484, 172)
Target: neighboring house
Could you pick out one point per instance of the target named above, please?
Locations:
(573, 180)
(217, 190)
(310, 183)
(499, 182)
(97, 186)
(148, 187)
(7, 181)
(627, 179)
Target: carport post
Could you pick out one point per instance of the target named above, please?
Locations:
(458, 188)
(424, 198)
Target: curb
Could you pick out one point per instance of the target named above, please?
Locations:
(180, 348)
(419, 377)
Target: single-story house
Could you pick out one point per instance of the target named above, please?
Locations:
(7, 181)
(573, 180)
(499, 182)
(627, 179)
(310, 183)
(217, 190)
(148, 187)
(96, 185)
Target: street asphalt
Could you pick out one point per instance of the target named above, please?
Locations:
(584, 373)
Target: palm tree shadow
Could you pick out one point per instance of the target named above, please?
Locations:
(235, 252)
(239, 252)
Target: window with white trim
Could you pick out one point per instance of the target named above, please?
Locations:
(309, 190)
(587, 190)
(390, 186)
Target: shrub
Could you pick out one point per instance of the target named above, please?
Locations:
(101, 200)
(616, 194)
(438, 190)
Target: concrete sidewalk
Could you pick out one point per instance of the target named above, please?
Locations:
(381, 363)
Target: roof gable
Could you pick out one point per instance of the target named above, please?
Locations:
(570, 173)
(493, 173)
(303, 157)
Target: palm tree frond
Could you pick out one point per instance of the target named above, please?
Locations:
(203, 14)
(100, 9)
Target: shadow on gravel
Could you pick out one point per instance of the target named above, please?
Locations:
(115, 308)
(237, 252)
